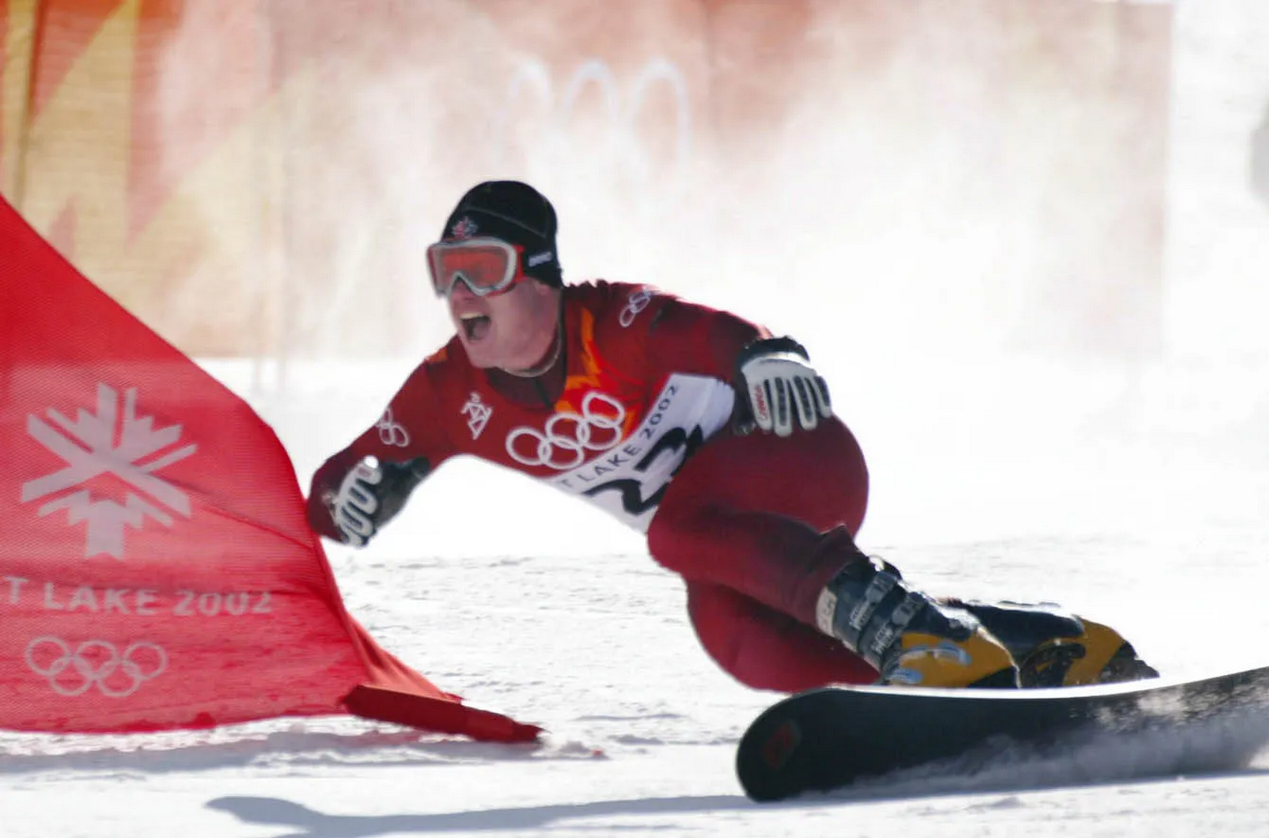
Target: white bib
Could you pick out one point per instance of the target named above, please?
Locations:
(628, 478)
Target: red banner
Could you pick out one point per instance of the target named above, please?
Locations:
(156, 570)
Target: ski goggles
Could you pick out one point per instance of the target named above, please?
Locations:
(487, 266)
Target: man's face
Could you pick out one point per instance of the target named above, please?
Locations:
(512, 330)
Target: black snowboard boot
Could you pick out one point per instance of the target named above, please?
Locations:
(910, 638)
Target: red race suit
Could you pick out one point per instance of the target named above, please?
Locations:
(635, 415)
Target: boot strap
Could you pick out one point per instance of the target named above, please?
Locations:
(879, 639)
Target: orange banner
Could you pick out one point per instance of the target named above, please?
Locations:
(17, 23)
(4, 61)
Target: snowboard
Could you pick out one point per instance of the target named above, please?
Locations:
(825, 739)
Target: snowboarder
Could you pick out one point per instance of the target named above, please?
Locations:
(707, 433)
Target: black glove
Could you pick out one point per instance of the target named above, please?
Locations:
(371, 494)
(775, 377)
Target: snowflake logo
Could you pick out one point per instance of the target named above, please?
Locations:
(89, 449)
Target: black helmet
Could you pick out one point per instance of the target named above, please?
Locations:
(516, 213)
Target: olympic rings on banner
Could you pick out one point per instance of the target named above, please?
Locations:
(95, 662)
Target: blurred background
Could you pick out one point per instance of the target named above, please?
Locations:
(1052, 214)
(258, 178)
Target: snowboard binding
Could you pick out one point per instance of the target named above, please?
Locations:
(1054, 648)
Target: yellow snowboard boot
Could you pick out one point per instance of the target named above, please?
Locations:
(1055, 648)
(909, 637)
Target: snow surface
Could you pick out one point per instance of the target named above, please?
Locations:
(1119, 492)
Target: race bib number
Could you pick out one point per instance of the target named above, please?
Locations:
(630, 477)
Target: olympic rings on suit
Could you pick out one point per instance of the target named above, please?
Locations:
(392, 432)
(635, 304)
(563, 451)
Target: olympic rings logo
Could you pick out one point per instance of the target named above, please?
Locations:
(392, 432)
(635, 304)
(72, 672)
(621, 113)
(564, 450)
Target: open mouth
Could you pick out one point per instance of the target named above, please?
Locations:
(475, 326)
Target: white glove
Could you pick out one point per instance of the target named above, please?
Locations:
(356, 504)
(780, 384)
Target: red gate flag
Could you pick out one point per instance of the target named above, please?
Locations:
(156, 568)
